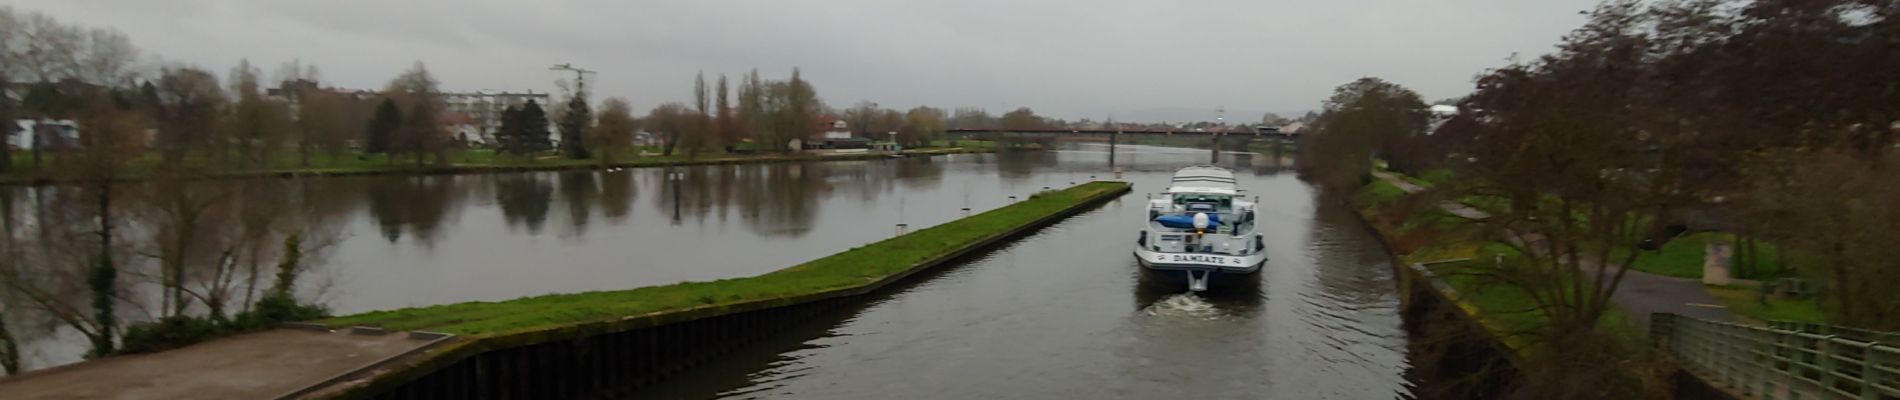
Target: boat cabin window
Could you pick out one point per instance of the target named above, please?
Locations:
(1204, 203)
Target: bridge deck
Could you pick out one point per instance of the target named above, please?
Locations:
(262, 365)
(1236, 134)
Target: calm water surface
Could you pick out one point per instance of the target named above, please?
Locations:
(1063, 313)
(1067, 313)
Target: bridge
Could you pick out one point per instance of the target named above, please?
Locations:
(1109, 133)
(1234, 139)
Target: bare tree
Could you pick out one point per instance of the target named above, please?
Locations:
(700, 127)
(298, 85)
(255, 125)
(1362, 119)
(1022, 118)
(921, 125)
(797, 110)
(670, 121)
(112, 139)
(34, 47)
(726, 130)
(613, 131)
(860, 117)
(972, 118)
(187, 107)
(887, 122)
(753, 119)
(421, 132)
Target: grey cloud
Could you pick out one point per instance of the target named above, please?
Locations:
(1073, 59)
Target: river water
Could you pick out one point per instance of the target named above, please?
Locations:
(1065, 312)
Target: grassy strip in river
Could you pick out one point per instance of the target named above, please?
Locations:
(848, 270)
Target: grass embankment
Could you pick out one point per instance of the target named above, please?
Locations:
(851, 269)
(1426, 233)
(1423, 234)
(1682, 257)
(1746, 301)
(470, 160)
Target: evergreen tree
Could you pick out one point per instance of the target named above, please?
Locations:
(506, 135)
(381, 126)
(534, 128)
(573, 129)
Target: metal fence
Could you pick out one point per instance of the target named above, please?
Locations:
(1855, 334)
(1783, 361)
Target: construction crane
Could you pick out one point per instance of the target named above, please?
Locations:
(580, 76)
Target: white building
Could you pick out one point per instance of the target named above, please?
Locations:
(1440, 114)
(838, 130)
(57, 132)
(1293, 128)
(483, 109)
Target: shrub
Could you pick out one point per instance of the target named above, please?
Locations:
(275, 308)
(168, 333)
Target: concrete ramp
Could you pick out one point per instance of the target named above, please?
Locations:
(264, 365)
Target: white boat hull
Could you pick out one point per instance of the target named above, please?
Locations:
(1198, 269)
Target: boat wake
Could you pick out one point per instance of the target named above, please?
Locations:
(1184, 305)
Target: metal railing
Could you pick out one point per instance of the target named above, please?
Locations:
(1856, 334)
(1783, 361)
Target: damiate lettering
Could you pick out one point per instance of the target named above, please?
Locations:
(1201, 258)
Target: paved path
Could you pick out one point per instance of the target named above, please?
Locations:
(1453, 207)
(1640, 294)
(261, 365)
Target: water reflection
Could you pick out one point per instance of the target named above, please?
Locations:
(616, 194)
(580, 191)
(523, 199)
(1020, 165)
(413, 204)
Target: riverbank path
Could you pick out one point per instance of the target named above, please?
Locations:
(1640, 294)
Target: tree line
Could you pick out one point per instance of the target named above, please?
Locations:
(1771, 119)
(182, 258)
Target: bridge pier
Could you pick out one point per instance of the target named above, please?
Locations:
(1215, 159)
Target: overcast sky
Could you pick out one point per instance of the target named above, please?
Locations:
(1071, 59)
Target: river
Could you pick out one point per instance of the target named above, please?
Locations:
(1062, 313)
(1067, 313)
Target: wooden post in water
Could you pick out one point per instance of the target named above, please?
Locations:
(1112, 138)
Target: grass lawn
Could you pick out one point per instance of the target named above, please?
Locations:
(852, 268)
(1508, 311)
(1682, 257)
(1379, 193)
(1745, 301)
(1426, 179)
